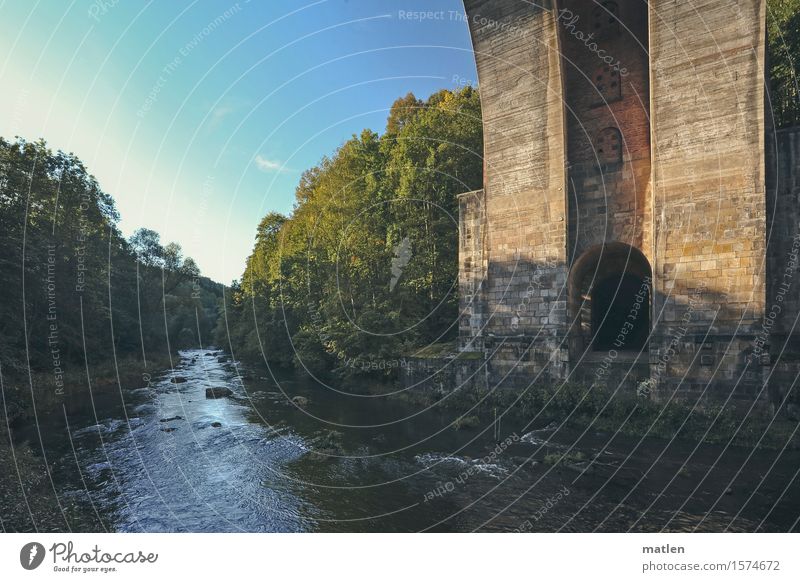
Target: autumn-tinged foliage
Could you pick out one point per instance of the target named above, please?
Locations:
(365, 268)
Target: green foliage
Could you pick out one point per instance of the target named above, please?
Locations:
(74, 290)
(783, 35)
(564, 458)
(466, 422)
(364, 268)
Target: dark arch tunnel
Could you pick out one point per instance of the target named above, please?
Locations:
(617, 322)
(610, 298)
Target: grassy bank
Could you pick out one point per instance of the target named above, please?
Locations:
(27, 500)
(626, 413)
(603, 409)
(22, 391)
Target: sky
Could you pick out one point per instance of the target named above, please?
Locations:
(199, 117)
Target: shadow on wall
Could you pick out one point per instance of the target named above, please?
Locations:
(694, 340)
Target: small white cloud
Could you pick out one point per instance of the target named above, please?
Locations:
(267, 165)
(221, 112)
(218, 115)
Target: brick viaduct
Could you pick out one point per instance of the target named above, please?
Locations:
(639, 215)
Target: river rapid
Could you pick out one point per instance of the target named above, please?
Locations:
(162, 457)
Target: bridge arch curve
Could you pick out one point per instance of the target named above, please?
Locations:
(610, 287)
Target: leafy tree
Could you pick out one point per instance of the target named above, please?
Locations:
(363, 269)
(146, 244)
(71, 279)
(783, 36)
(402, 111)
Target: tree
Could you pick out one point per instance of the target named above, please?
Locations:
(783, 36)
(146, 244)
(403, 110)
(364, 267)
(89, 293)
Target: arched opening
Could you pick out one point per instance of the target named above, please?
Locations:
(620, 312)
(608, 147)
(610, 288)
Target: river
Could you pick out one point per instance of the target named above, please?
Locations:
(164, 458)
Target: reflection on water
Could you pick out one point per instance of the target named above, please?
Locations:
(167, 458)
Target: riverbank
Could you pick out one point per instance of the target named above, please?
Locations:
(27, 395)
(595, 408)
(281, 452)
(581, 406)
(28, 501)
(577, 405)
(441, 375)
(28, 498)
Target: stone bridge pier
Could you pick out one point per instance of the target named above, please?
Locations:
(638, 209)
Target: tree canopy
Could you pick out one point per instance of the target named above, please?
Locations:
(365, 268)
(74, 290)
(783, 36)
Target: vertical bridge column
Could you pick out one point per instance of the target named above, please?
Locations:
(519, 68)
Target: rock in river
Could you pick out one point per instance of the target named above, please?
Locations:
(218, 392)
(177, 379)
(300, 401)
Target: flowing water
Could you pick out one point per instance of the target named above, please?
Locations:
(164, 457)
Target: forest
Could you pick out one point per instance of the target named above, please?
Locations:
(76, 293)
(364, 271)
(319, 290)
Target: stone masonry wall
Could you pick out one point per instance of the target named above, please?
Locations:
(471, 270)
(689, 191)
(518, 59)
(707, 85)
(608, 202)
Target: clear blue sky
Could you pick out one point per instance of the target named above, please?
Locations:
(199, 117)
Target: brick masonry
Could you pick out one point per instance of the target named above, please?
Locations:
(643, 149)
